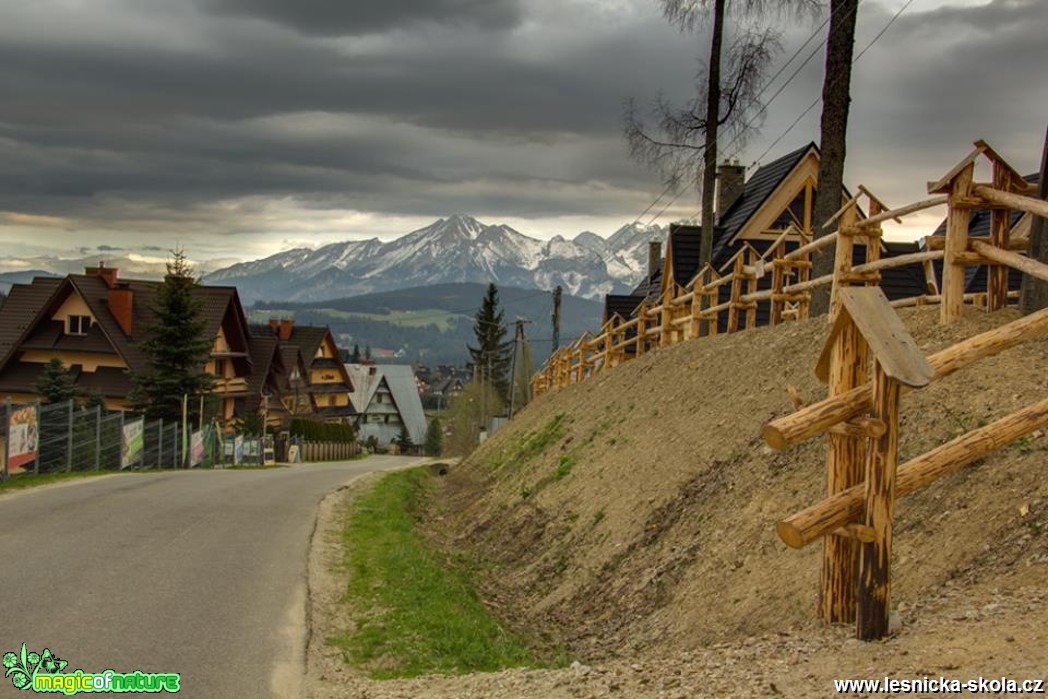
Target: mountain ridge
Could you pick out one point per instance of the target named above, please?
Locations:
(455, 249)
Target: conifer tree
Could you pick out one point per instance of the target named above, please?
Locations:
(56, 383)
(355, 357)
(176, 345)
(490, 358)
(434, 444)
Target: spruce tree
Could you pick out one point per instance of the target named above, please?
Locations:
(491, 357)
(56, 383)
(176, 345)
(403, 441)
(355, 357)
(434, 443)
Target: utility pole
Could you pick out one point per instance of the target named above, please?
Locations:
(556, 318)
(518, 341)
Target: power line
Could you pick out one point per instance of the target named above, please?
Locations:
(835, 82)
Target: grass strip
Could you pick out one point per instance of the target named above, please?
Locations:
(28, 480)
(414, 615)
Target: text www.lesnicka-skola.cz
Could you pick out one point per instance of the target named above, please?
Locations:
(940, 685)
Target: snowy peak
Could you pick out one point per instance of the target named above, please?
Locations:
(458, 248)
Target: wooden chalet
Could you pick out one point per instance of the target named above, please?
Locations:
(317, 380)
(387, 401)
(94, 323)
(771, 208)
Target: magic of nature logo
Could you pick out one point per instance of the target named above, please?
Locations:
(43, 672)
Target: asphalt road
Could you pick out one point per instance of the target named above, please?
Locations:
(202, 573)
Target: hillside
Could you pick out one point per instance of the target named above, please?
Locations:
(434, 323)
(631, 518)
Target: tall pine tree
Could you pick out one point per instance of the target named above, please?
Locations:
(491, 357)
(177, 346)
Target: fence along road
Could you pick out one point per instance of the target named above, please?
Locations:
(197, 572)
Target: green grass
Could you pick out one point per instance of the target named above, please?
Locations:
(28, 480)
(415, 614)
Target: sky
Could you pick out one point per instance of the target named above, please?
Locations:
(240, 128)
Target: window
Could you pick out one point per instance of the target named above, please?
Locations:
(78, 325)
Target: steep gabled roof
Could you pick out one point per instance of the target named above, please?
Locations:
(24, 307)
(682, 250)
(623, 304)
(400, 379)
(756, 192)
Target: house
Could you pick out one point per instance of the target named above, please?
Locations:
(95, 323)
(387, 401)
(754, 213)
(318, 381)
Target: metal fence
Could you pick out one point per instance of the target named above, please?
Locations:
(66, 436)
(69, 437)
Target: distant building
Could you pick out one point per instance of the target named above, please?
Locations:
(387, 401)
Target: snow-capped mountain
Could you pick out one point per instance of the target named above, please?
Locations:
(454, 249)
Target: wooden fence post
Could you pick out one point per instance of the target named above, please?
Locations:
(874, 597)
(1000, 222)
(956, 245)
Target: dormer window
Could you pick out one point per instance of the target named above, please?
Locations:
(78, 325)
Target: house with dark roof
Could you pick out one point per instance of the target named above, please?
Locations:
(387, 401)
(753, 213)
(317, 377)
(95, 323)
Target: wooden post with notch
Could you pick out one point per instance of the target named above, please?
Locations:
(866, 312)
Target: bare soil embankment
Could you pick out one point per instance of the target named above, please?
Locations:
(631, 518)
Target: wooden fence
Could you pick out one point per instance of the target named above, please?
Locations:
(689, 311)
(869, 359)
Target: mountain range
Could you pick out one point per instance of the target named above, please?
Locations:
(451, 250)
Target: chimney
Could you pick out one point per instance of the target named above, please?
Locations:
(731, 180)
(654, 257)
(108, 274)
(286, 326)
(274, 325)
(121, 305)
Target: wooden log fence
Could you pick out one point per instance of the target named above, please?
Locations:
(868, 361)
(679, 313)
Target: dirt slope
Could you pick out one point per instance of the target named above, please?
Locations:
(633, 515)
(631, 519)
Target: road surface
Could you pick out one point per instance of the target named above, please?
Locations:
(202, 573)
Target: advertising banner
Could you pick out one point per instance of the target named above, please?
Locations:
(196, 448)
(238, 449)
(133, 445)
(23, 438)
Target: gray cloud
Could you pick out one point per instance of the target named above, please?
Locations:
(327, 18)
(157, 116)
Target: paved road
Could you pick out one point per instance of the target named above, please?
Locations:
(201, 573)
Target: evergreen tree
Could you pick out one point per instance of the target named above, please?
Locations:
(367, 354)
(176, 346)
(434, 444)
(491, 356)
(403, 441)
(355, 357)
(56, 383)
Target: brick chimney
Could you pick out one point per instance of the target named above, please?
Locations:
(286, 326)
(731, 180)
(274, 325)
(654, 257)
(108, 274)
(121, 305)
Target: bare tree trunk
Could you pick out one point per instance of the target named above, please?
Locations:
(709, 158)
(836, 99)
(1035, 291)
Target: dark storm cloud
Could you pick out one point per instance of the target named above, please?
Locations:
(353, 17)
(146, 113)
